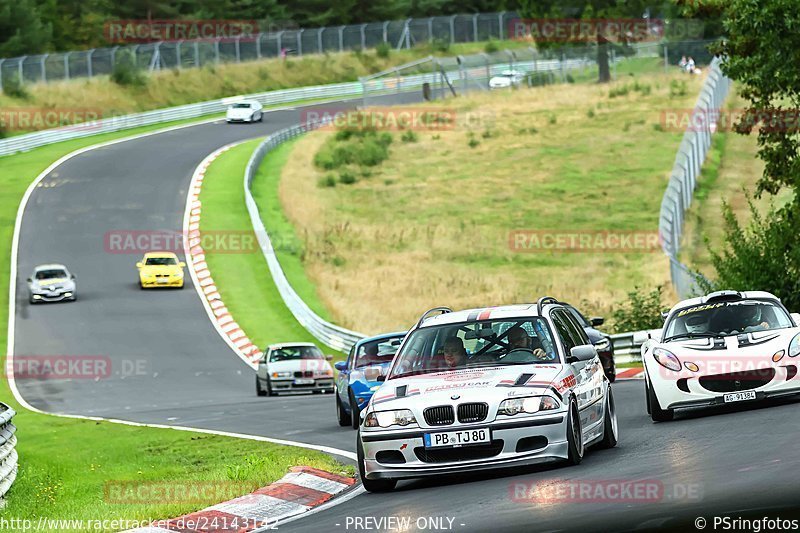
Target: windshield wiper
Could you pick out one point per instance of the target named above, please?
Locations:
(693, 336)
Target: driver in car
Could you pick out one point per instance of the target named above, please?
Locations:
(518, 339)
(455, 356)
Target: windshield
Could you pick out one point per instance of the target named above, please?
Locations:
(475, 344)
(51, 274)
(240, 106)
(377, 352)
(160, 261)
(726, 318)
(295, 353)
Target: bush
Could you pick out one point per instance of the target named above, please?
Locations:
(590, 113)
(440, 45)
(125, 71)
(491, 47)
(641, 311)
(383, 50)
(553, 119)
(570, 79)
(539, 79)
(621, 90)
(346, 177)
(678, 88)
(12, 86)
(764, 255)
(409, 137)
(473, 142)
(327, 181)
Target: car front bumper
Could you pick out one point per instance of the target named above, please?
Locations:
(290, 385)
(526, 441)
(46, 296)
(154, 283)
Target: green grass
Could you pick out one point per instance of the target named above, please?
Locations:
(243, 280)
(64, 463)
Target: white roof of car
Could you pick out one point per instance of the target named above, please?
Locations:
(761, 295)
(51, 266)
(484, 313)
(290, 345)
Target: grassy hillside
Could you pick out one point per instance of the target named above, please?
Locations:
(433, 224)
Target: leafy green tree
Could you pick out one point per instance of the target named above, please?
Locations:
(23, 29)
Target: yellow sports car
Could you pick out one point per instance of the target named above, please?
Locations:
(160, 269)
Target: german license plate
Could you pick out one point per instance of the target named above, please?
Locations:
(304, 382)
(739, 396)
(163, 280)
(457, 438)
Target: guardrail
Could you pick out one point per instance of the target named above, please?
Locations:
(8, 453)
(628, 346)
(683, 180)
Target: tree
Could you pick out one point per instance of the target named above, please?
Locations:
(22, 29)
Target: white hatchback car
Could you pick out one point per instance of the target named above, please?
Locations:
(486, 388)
(724, 348)
(245, 111)
(294, 367)
(507, 79)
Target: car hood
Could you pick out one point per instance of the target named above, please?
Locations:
(370, 373)
(152, 270)
(300, 365)
(240, 113)
(474, 384)
(500, 81)
(65, 283)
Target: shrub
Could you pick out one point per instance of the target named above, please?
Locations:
(570, 79)
(539, 79)
(346, 177)
(125, 71)
(491, 47)
(12, 86)
(328, 180)
(621, 90)
(553, 119)
(678, 88)
(383, 50)
(409, 137)
(440, 45)
(641, 311)
(473, 142)
(590, 113)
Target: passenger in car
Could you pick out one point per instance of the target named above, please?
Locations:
(455, 356)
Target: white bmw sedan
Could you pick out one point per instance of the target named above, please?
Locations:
(486, 388)
(245, 111)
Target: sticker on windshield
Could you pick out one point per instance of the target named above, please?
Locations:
(695, 309)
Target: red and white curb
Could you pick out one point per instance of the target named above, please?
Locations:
(236, 338)
(631, 373)
(297, 492)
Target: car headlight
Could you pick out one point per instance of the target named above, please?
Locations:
(323, 374)
(667, 359)
(530, 405)
(281, 374)
(602, 344)
(794, 346)
(385, 419)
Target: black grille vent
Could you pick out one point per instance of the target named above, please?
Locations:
(439, 416)
(466, 453)
(738, 381)
(304, 374)
(472, 412)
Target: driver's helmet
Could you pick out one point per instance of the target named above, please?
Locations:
(751, 314)
(696, 324)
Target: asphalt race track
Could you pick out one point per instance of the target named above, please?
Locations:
(170, 366)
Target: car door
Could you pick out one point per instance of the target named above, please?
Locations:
(343, 378)
(589, 376)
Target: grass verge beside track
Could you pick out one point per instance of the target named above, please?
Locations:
(243, 279)
(66, 463)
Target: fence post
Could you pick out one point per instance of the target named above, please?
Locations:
(341, 38)
(453, 29)
(236, 46)
(535, 54)
(178, 55)
(280, 43)
(386, 32)
(475, 28)
(20, 71)
(488, 69)
(258, 44)
(614, 62)
(462, 74)
(500, 23)
(196, 54)
(216, 51)
(66, 65)
(113, 60)
(430, 29)
(300, 41)
(363, 36)
(319, 39)
(666, 60)
(89, 56)
(1, 74)
(136, 55)
(42, 67)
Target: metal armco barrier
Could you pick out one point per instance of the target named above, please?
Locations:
(8, 455)
(628, 346)
(683, 180)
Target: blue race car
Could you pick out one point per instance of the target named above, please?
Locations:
(358, 377)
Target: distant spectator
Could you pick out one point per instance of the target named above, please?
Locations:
(682, 63)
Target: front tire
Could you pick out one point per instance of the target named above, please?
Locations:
(656, 412)
(610, 424)
(371, 485)
(259, 390)
(575, 443)
(270, 392)
(341, 415)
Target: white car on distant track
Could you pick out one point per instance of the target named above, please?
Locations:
(244, 111)
(507, 79)
(51, 283)
(724, 348)
(294, 367)
(486, 388)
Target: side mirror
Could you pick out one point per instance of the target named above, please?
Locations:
(139, 264)
(341, 366)
(181, 264)
(381, 378)
(30, 280)
(665, 314)
(328, 357)
(796, 318)
(579, 354)
(597, 321)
